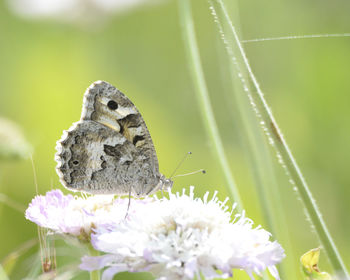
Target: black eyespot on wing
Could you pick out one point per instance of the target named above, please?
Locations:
(112, 105)
(137, 138)
(75, 162)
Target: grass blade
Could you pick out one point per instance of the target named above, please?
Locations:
(284, 154)
(201, 90)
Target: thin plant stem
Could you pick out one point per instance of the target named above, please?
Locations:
(201, 90)
(95, 274)
(293, 37)
(286, 158)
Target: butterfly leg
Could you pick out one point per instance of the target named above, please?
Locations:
(127, 210)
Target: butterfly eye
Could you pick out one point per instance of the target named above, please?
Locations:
(75, 162)
(112, 105)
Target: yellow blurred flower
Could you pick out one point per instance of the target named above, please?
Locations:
(309, 262)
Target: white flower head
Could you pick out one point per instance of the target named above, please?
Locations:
(184, 236)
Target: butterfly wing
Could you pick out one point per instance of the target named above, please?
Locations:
(110, 149)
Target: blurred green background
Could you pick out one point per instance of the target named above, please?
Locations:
(46, 65)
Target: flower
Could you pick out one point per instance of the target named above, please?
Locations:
(74, 10)
(77, 216)
(176, 238)
(182, 237)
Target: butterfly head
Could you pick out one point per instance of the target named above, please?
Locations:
(164, 184)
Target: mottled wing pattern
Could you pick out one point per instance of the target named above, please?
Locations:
(110, 149)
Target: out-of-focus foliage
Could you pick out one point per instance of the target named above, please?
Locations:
(10, 261)
(80, 12)
(46, 65)
(13, 145)
(3, 275)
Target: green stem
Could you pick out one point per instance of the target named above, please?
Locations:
(288, 162)
(94, 275)
(191, 47)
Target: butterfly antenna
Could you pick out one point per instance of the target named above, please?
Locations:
(191, 173)
(180, 163)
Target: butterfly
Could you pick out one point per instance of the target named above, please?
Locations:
(109, 150)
